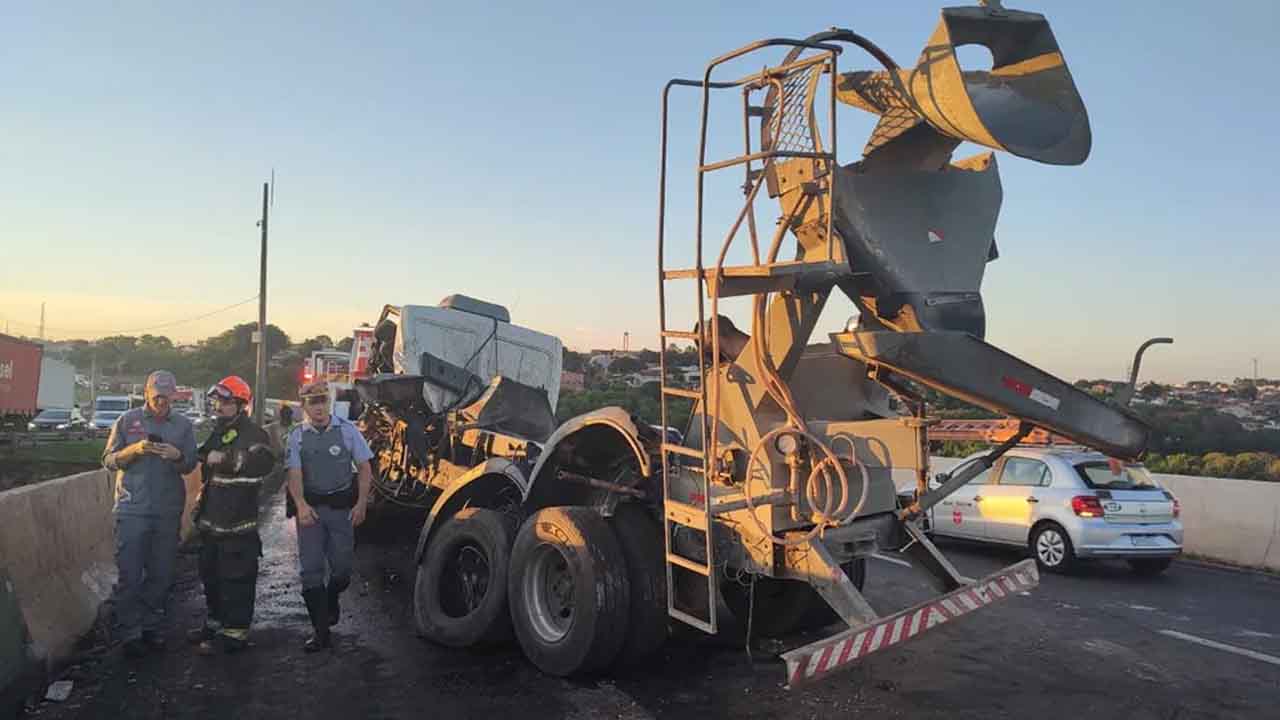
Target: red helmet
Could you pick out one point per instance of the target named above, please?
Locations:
(232, 386)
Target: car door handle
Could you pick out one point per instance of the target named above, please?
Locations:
(977, 498)
(1033, 500)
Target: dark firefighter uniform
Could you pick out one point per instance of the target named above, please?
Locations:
(227, 518)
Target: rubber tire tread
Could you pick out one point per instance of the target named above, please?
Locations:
(601, 590)
(488, 625)
(640, 538)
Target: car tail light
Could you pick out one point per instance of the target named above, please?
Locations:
(1086, 506)
(1177, 508)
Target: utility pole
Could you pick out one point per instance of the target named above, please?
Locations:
(260, 383)
(93, 381)
(41, 321)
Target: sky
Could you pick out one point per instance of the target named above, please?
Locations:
(509, 151)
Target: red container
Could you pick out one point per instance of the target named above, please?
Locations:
(19, 376)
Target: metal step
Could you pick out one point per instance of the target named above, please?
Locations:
(683, 335)
(682, 450)
(687, 515)
(687, 564)
(738, 280)
(697, 622)
(681, 392)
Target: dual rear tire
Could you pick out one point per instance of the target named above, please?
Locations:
(581, 592)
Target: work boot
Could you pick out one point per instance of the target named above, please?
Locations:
(317, 600)
(221, 642)
(335, 589)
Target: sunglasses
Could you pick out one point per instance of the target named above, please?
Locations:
(220, 392)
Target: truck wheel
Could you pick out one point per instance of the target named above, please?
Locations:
(820, 613)
(779, 607)
(1052, 548)
(785, 606)
(569, 591)
(1149, 567)
(639, 537)
(460, 593)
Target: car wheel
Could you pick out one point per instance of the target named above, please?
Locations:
(569, 591)
(1150, 567)
(1051, 547)
(460, 592)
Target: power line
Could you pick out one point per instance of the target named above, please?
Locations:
(160, 326)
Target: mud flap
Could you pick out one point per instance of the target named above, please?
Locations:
(823, 657)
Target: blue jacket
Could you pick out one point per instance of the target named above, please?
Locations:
(151, 485)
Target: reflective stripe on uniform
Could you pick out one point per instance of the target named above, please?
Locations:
(215, 480)
(220, 530)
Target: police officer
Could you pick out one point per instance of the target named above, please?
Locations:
(149, 450)
(320, 455)
(237, 455)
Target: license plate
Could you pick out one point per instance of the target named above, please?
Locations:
(1144, 541)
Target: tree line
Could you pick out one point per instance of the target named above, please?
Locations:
(124, 359)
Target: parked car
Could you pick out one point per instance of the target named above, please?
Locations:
(673, 435)
(58, 419)
(1065, 505)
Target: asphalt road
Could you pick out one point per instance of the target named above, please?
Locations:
(1098, 644)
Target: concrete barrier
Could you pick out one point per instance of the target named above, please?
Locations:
(1228, 520)
(1235, 521)
(57, 567)
(57, 547)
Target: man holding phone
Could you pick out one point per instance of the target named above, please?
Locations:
(149, 450)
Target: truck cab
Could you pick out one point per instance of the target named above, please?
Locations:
(106, 408)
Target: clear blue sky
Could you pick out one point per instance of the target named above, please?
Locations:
(508, 151)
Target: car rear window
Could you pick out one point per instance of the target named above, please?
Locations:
(1103, 475)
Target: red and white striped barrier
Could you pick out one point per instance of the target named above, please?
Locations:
(815, 660)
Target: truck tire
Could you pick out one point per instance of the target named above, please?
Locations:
(460, 592)
(820, 613)
(779, 606)
(569, 591)
(785, 606)
(640, 539)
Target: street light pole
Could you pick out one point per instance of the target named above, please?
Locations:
(260, 382)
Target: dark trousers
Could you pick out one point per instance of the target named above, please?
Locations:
(229, 571)
(326, 545)
(146, 551)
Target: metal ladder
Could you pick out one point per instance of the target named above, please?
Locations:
(792, 126)
(678, 514)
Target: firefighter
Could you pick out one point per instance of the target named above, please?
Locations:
(237, 456)
(320, 456)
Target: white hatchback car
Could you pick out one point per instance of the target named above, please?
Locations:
(1064, 505)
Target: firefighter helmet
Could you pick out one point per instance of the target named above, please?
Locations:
(232, 386)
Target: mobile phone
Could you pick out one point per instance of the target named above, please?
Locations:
(154, 438)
